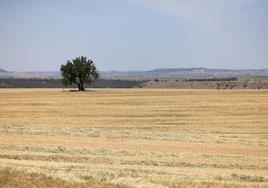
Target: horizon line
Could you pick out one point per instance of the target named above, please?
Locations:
(147, 70)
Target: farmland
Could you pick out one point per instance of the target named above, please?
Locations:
(134, 137)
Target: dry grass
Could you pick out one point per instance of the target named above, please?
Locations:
(10, 178)
(134, 137)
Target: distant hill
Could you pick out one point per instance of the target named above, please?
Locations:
(2, 70)
(182, 78)
(6, 74)
(161, 73)
(184, 73)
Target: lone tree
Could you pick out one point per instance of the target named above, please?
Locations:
(79, 71)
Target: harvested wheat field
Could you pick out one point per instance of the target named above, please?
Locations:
(133, 138)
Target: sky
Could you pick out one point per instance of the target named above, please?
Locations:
(125, 35)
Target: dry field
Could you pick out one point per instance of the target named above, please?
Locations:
(133, 138)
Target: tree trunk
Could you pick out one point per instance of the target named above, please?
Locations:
(82, 86)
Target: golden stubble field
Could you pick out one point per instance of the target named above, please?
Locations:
(134, 138)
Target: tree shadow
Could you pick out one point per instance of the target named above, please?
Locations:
(77, 91)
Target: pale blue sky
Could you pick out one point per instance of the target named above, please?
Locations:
(40, 35)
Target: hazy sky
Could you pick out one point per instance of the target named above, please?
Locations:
(40, 35)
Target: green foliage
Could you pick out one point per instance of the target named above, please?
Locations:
(79, 71)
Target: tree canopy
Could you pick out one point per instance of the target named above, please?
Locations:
(79, 71)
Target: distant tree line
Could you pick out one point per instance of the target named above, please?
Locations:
(57, 83)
